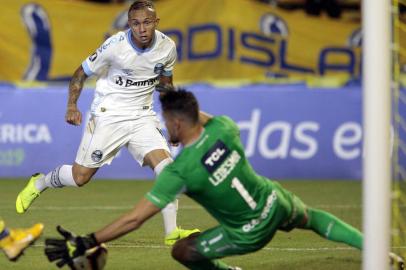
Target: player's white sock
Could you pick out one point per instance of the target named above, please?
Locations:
(59, 177)
(170, 211)
(169, 216)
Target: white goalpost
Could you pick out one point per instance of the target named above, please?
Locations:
(376, 27)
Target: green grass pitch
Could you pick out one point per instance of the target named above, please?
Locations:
(89, 208)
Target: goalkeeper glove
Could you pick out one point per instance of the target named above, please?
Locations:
(65, 250)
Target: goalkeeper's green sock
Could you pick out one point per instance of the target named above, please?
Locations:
(332, 228)
(208, 265)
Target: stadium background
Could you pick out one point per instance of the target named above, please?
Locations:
(291, 81)
(288, 80)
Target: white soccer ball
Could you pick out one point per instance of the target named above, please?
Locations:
(94, 259)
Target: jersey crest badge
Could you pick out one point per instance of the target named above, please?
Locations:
(159, 68)
(97, 155)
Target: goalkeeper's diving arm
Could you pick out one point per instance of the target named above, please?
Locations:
(129, 222)
(64, 251)
(204, 118)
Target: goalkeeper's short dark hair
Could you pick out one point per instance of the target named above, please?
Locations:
(141, 4)
(181, 102)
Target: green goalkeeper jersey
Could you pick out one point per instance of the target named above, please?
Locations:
(215, 173)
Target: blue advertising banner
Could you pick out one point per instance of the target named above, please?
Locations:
(294, 132)
(288, 131)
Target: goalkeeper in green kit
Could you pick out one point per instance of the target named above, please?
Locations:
(212, 169)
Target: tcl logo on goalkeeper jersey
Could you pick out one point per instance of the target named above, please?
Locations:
(215, 156)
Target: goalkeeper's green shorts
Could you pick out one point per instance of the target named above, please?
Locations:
(220, 242)
(217, 242)
(298, 212)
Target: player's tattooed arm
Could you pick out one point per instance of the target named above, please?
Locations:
(76, 85)
(73, 115)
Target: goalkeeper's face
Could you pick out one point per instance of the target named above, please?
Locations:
(143, 23)
(173, 127)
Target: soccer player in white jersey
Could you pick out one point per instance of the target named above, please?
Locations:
(129, 65)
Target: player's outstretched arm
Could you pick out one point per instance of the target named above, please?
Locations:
(65, 250)
(204, 117)
(128, 222)
(73, 115)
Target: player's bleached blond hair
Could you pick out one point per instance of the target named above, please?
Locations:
(141, 4)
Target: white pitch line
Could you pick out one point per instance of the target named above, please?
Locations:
(184, 207)
(266, 248)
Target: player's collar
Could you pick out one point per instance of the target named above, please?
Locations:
(130, 41)
(197, 140)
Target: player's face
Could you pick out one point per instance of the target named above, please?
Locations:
(143, 23)
(172, 126)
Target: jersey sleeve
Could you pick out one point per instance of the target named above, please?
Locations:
(101, 58)
(168, 68)
(228, 124)
(167, 186)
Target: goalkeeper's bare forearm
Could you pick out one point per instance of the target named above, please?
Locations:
(73, 115)
(128, 222)
(64, 251)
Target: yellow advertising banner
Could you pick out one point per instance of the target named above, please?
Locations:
(216, 39)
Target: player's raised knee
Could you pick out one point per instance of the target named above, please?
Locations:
(81, 179)
(180, 251)
(184, 250)
(82, 175)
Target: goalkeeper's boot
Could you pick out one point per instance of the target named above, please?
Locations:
(27, 196)
(178, 234)
(15, 241)
(396, 262)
